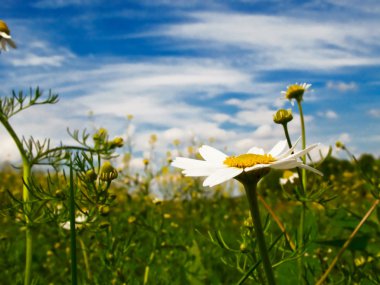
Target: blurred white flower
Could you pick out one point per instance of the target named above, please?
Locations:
(80, 219)
(288, 177)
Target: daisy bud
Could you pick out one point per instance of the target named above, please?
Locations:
(283, 116)
(108, 172)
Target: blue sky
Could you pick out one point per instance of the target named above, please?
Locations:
(197, 69)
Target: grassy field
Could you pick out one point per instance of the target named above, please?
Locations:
(196, 236)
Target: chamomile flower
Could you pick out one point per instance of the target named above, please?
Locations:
(296, 91)
(219, 167)
(5, 37)
(288, 177)
(80, 219)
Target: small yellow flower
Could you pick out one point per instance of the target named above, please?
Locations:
(296, 91)
(132, 219)
(5, 37)
(167, 216)
(283, 116)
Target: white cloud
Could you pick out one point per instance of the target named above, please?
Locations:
(341, 86)
(374, 113)
(36, 60)
(63, 3)
(329, 114)
(284, 42)
(344, 138)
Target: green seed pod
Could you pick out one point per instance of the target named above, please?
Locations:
(283, 116)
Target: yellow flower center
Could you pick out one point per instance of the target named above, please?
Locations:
(295, 91)
(248, 160)
(4, 28)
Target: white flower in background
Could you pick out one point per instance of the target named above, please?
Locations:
(5, 37)
(218, 167)
(288, 176)
(80, 219)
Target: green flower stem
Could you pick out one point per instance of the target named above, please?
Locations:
(85, 259)
(304, 177)
(73, 245)
(26, 175)
(290, 146)
(250, 180)
(303, 208)
(28, 234)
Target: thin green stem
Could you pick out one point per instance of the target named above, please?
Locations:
(85, 259)
(290, 146)
(27, 212)
(303, 207)
(26, 175)
(250, 185)
(73, 245)
(303, 130)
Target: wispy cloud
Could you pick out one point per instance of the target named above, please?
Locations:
(284, 42)
(328, 114)
(63, 3)
(341, 86)
(374, 113)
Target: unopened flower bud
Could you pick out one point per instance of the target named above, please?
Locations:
(91, 175)
(100, 134)
(104, 210)
(108, 172)
(283, 116)
(116, 142)
(339, 144)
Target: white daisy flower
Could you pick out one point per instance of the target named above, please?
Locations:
(5, 37)
(80, 219)
(288, 176)
(296, 91)
(218, 167)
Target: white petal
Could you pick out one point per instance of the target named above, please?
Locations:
(222, 175)
(189, 163)
(289, 151)
(199, 172)
(257, 166)
(212, 154)
(279, 148)
(256, 150)
(5, 35)
(302, 152)
(307, 167)
(286, 164)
